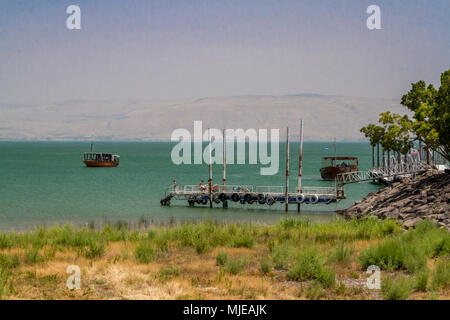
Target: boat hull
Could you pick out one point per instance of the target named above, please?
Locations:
(93, 163)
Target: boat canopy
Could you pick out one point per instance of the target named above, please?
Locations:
(331, 161)
(100, 156)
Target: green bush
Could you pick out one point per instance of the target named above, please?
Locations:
(314, 291)
(408, 251)
(264, 266)
(440, 278)
(144, 252)
(32, 255)
(395, 289)
(221, 258)
(342, 253)
(310, 266)
(306, 266)
(421, 280)
(201, 245)
(93, 250)
(167, 273)
(9, 261)
(280, 256)
(326, 277)
(5, 274)
(235, 266)
(243, 241)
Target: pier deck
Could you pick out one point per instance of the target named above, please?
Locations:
(248, 194)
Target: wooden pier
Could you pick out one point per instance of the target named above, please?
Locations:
(249, 194)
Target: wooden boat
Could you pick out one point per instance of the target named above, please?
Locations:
(93, 159)
(331, 166)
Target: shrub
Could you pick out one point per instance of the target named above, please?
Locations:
(342, 253)
(395, 290)
(5, 274)
(314, 291)
(440, 277)
(5, 241)
(167, 273)
(94, 249)
(32, 255)
(243, 241)
(310, 266)
(280, 257)
(201, 245)
(221, 258)
(326, 277)
(306, 267)
(234, 266)
(264, 266)
(421, 280)
(144, 252)
(408, 251)
(9, 261)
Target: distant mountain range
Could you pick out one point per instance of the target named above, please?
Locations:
(325, 117)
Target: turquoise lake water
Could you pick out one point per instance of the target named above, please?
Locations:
(44, 183)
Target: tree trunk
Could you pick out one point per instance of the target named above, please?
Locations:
(389, 158)
(420, 150)
(428, 154)
(378, 155)
(384, 158)
(373, 157)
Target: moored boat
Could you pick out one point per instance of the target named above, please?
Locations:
(332, 166)
(94, 159)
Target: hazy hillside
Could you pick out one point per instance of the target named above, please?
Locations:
(325, 117)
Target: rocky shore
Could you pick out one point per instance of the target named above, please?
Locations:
(427, 196)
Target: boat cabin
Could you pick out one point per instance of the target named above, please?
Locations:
(351, 162)
(93, 156)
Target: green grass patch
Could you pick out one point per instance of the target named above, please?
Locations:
(408, 251)
(342, 253)
(399, 289)
(310, 265)
(236, 265)
(221, 258)
(421, 280)
(167, 273)
(144, 252)
(264, 266)
(440, 278)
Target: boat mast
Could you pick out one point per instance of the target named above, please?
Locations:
(300, 158)
(286, 200)
(224, 166)
(210, 169)
(334, 150)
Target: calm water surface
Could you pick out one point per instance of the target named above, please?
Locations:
(44, 183)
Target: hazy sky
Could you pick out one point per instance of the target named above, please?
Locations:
(190, 49)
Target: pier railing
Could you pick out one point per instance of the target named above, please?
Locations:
(397, 169)
(270, 191)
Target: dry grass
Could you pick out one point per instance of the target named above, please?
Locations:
(117, 275)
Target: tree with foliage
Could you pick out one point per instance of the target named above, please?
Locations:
(431, 119)
(375, 135)
(430, 123)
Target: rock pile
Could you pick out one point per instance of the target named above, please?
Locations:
(427, 196)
